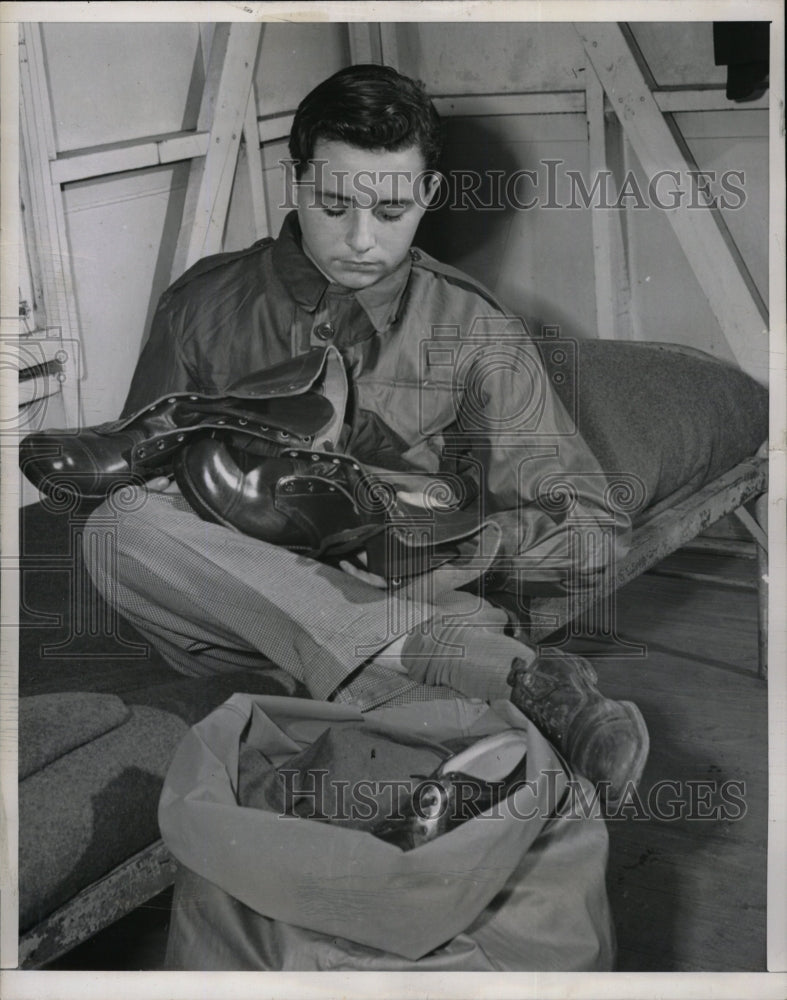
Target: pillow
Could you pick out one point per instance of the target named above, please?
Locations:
(674, 417)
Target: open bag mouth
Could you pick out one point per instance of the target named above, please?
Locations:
(493, 759)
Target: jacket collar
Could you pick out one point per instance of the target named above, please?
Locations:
(307, 285)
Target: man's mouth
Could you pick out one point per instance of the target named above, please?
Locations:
(359, 265)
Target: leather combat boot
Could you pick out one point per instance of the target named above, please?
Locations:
(326, 505)
(604, 740)
(299, 402)
(302, 500)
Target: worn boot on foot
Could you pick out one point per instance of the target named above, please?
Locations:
(605, 740)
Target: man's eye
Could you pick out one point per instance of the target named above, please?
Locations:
(333, 212)
(391, 214)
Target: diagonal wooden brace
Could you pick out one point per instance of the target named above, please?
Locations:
(701, 231)
(223, 113)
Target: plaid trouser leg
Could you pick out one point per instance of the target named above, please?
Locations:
(212, 599)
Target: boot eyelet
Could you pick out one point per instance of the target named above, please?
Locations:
(283, 435)
(263, 427)
(242, 421)
(161, 445)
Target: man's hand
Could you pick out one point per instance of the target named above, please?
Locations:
(362, 574)
(162, 484)
(417, 498)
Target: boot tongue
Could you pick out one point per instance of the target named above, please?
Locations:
(302, 415)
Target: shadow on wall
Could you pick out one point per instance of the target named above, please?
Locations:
(470, 226)
(475, 226)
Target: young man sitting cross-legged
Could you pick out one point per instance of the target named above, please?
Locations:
(342, 272)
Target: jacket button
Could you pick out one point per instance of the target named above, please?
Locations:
(324, 331)
(415, 255)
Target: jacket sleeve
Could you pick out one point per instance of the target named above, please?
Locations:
(538, 478)
(162, 366)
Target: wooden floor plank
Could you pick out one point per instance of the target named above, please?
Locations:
(690, 894)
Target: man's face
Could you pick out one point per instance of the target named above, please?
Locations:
(359, 210)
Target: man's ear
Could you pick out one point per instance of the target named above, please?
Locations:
(428, 187)
(290, 183)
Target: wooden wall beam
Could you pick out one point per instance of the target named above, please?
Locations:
(389, 44)
(365, 40)
(710, 99)
(136, 154)
(153, 151)
(275, 127)
(233, 55)
(610, 265)
(469, 105)
(702, 233)
(253, 162)
(50, 244)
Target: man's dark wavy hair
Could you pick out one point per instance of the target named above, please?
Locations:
(369, 107)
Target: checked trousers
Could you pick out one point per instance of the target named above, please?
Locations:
(212, 600)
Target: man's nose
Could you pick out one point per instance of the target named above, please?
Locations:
(360, 235)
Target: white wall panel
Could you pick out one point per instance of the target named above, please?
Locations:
(293, 59)
(679, 54)
(737, 141)
(668, 303)
(110, 82)
(491, 58)
(122, 238)
(538, 260)
(278, 198)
